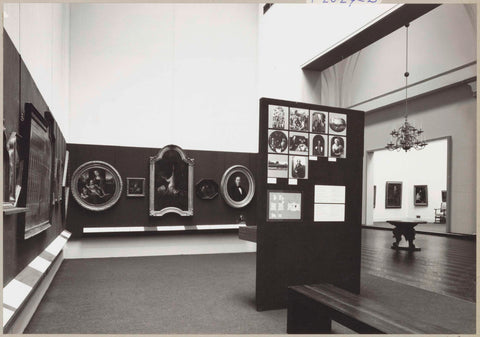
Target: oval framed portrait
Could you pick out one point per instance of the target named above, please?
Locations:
(96, 185)
(237, 186)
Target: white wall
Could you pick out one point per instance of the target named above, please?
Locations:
(155, 74)
(40, 32)
(425, 167)
(292, 34)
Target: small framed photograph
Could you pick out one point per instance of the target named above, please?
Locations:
(277, 166)
(135, 187)
(393, 194)
(318, 121)
(284, 206)
(338, 147)
(337, 124)
(277, 141)
(420, 195)
(298, 143)
(277, 117)
(298, 120)
(318, 145)
(298, 168)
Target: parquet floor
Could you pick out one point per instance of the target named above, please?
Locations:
(444, 265)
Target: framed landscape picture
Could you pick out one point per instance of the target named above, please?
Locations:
(420, 195)
(135, 187)
(393, 194)
(277, 166)
(284, 206)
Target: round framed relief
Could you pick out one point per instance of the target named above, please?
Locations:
(96, 185)
(237, 186)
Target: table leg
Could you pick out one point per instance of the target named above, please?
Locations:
(397, 234)
(410, 237)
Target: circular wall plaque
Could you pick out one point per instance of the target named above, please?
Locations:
(237, 186)
(96, 185)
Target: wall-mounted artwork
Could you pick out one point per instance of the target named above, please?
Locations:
(37, 186)
(277, 141)
(277, 166)
(277, 117)
(298, 120)
(374, 195)
(237, 186)
(12, 170)
(96, 185)
(318, 145)
(284, 206)
(135, 187)
(444, 196)
(318, 121)
(393, 194)
(337, 124)
(171, 182)
(338, 147)
(298, 168)
(206, 189)
(420, 195)
(298, 143)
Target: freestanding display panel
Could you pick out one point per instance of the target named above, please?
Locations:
(309, 198)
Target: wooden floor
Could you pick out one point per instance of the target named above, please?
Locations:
(444, 265)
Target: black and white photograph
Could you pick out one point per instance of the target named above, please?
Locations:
(277, 166)
(318, 145)
(240, 168)
(298, 143)
(135, 187)
(338, 146)
(299, 120)
(318, 121)
(277, 117)
(420, 195)
(277, 141)
(337, 124)
(298, 168)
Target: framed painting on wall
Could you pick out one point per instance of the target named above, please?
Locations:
(393, 194)
(96, 185)
(171, 182)
(135, 187)
(420, 195)
(338, 147)
(284, 206)
(206, 189)
(277, 141)
(374, 195)
(237, 186)
(444, 196)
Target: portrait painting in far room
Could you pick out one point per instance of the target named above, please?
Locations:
(393, 194)
(135, 187)
(444, 196)
(277, 142)
(277, 117)
(298, 143)
(318, 145)
(420, 195)
(318, 121)
(298, 168)
(298, 120)
(277, 166)
(338, 147)
(337, 124)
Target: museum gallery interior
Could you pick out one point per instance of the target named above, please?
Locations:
(239, 168)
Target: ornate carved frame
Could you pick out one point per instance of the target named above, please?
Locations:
(224, 188)
(190, 162)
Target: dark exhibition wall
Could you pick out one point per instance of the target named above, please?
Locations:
(133, 162)
(19, 90)
(322, 242)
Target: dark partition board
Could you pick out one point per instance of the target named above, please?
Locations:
(306, 252)
(134, 162)
(20, 88)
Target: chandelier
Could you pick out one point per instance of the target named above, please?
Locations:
(407, 136)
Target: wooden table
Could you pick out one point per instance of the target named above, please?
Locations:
(406, 228)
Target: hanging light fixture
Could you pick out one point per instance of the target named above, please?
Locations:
(407, 136)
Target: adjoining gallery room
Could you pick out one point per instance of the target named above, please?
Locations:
(239, 168)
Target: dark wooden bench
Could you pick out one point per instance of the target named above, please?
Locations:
(248, 233)
(311, 308)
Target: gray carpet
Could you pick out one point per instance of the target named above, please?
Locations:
(202, 294)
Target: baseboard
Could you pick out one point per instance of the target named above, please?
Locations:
(26, 312)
